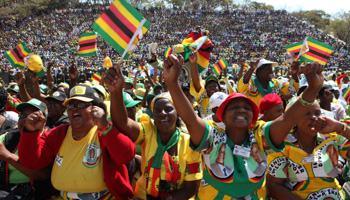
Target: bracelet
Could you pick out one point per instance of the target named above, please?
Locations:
(344, 128)
(107, 129)
(305, 103)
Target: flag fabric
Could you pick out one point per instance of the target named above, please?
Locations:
(122, 27)
(16, 56)
(219, 66)
(168, 51)
(313, 50)
(142, 67)
(96, 77)
(346, 94)
(203, 54)
(87, 44)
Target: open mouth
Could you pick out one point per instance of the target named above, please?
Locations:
(76, 116)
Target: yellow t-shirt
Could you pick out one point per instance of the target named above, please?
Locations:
(78, 164)
(202, 99)
(186, 166)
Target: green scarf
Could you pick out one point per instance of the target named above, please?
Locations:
(261, 89)
(157, 162)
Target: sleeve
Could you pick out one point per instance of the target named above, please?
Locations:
(2, 138)
(265, 131)
(343, 146)
(243, 88)
(229, 86)
(289, 87)
(197, 95)
(36, 150)
(158, 64)
(194, 169)
(144, 124)
(116, 142)
(207, 139)
(277, 165)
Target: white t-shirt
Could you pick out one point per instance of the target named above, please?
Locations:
(218, 124)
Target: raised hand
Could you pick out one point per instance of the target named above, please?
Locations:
(193, 57)
(20, 78)
(99, 117)
(73, 71)
(253, 64)
(242, 61)
(314, 76)
(35, 77)
(172, 68)
(114, 79)
(35, 121)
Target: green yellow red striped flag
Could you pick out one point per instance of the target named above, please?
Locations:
(122, 27)
(168, 51)
(219, 66)
(87, 44)
(16, 56)
(313, 50)
(295, 48)
(96, 77)
(142, 67)
(346, 94)
(203, 53)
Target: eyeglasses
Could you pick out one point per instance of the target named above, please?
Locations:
(22, 116)
(78, 105)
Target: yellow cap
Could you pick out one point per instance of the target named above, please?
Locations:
(35, 64)
(107, 62)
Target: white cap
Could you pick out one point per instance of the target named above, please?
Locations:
(264, 61)
(216, 99)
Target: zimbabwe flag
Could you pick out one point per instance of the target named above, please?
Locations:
(142, 67)
(219, 66)
(122, 27)
(313, 50)
(96, 77)
(87, 44)
(168, 51)
(203, 54)
(16, 56)
(346, 94)
(295, 48)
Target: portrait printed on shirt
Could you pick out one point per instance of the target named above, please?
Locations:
(92, 155)
(327, 161)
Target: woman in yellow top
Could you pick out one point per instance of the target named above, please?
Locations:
(170, 168)
(234, 159)
(307, 167)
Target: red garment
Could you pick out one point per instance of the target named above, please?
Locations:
(36, 152)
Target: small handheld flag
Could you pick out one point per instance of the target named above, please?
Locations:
(96, 77)
(168, 51)
(87, 44)
(219, 66)
(122, 27)
(16, 56)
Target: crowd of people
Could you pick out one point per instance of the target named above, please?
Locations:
(254, 133)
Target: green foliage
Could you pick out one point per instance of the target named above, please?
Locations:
(319, 18)
(259, 6)
(340, 26)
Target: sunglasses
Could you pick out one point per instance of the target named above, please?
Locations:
(78, 105)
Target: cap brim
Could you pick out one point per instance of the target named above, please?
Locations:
(85, 99)
(41, 73)
(23, 105)
(53, 98)
(139, 97)
(132, 104)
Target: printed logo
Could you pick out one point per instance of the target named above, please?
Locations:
(92, 155)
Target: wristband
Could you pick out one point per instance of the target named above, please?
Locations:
(106, 129)
(305, 103)
(344, 128)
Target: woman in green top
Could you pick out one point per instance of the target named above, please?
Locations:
(236, 170)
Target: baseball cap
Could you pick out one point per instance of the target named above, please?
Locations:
(34, 103)
(222, 107)
(83, 93)
(100, 89)
(265, 62)
(269, 101)
(128, 80)
(15, 89)
(211, 78)
(35, 64)
(140, 93)
(128, 101)
(158, 86)
(139, 85)
(58, 96)
(216, 99)
(44, 89)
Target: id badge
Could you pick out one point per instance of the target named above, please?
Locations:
(241, 151)
(310, 159)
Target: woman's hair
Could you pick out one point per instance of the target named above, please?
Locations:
(3, 100)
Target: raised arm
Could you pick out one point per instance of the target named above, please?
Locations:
(73, 75)
(194, 71)
(247, 76)
(23, 93)
(281, 126)
(50, 80)
(195, 125)
(115, 81)
(241, 64)
(37, 93)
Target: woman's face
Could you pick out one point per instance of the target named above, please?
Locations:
(309, 119)
(211, 87)
(25, 112)
(164, 115)
(238, 113)
(80, 117)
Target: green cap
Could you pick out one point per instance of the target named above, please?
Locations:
(15, 89)
(139, 85)
(128, 101)
(128, 80)
(211, 78)
(34, 103)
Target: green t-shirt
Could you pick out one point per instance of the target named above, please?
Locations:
(15, 176)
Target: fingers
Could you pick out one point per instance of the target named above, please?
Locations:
(97, 112)
(320, 123)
